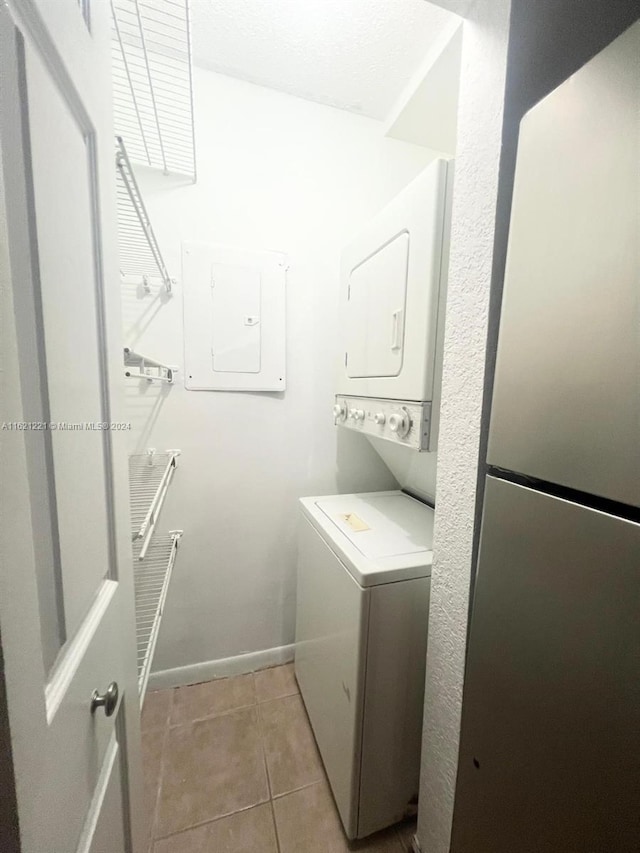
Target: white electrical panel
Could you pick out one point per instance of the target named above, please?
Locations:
(234, 318)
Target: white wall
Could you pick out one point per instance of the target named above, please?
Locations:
(274, 172)
(473, 221)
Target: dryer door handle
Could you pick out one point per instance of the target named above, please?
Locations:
(396, 329)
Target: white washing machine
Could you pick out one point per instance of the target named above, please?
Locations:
(364, 569)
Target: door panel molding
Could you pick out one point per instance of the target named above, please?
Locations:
(74, 653)
(32, 360)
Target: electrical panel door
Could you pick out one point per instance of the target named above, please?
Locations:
(234, 318)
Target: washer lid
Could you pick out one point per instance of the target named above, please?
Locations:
(381, 536)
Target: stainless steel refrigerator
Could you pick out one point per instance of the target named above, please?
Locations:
(550, 745)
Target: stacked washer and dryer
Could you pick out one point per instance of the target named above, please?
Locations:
(364, 560)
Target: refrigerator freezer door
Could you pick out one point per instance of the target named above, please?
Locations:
(551, 712)
(566, 403)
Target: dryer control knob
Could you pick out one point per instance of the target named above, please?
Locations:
(358, 414)
(340, 412)
(400, 422)
(380, 417)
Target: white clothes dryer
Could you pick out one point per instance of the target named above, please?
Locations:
(393, 282)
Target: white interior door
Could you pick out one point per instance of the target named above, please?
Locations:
(66, 596)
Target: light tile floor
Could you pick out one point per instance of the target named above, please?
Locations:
(231, 766)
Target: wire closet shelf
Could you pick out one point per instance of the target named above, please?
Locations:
(153, 84)
(150, 475)
(152, 577)
(140, 256)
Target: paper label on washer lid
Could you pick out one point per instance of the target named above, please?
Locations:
(354, 522)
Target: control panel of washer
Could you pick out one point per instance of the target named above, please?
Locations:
(403, 422)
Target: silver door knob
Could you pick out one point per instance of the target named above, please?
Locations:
(107, 700)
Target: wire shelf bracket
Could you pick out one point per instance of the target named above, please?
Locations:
(152, 577)
(140, 255)
(138, 366)
(153, 83)
(150, 475)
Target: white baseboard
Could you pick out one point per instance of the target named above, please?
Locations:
(208, 670)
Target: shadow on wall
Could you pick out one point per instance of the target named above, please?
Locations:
(144, 402)
(170, 180)
(348, 446)
(144, 399)
(136, 322)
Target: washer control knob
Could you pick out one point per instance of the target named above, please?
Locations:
(380, 417)
(340, 412)
(358, 414)
(400, 422)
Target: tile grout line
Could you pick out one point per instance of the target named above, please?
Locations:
(220, 713)
(323, 776)
(281, 796)
(264, 752)
(224, 678)
(267, 800)
(301, 788)
(202, 823)
(274, 698)
(275, 826)
(166, 730)
(228, 711)
(168, 727)
(266, 767)
(212, 716)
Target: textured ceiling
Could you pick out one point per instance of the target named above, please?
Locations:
(354, 54)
